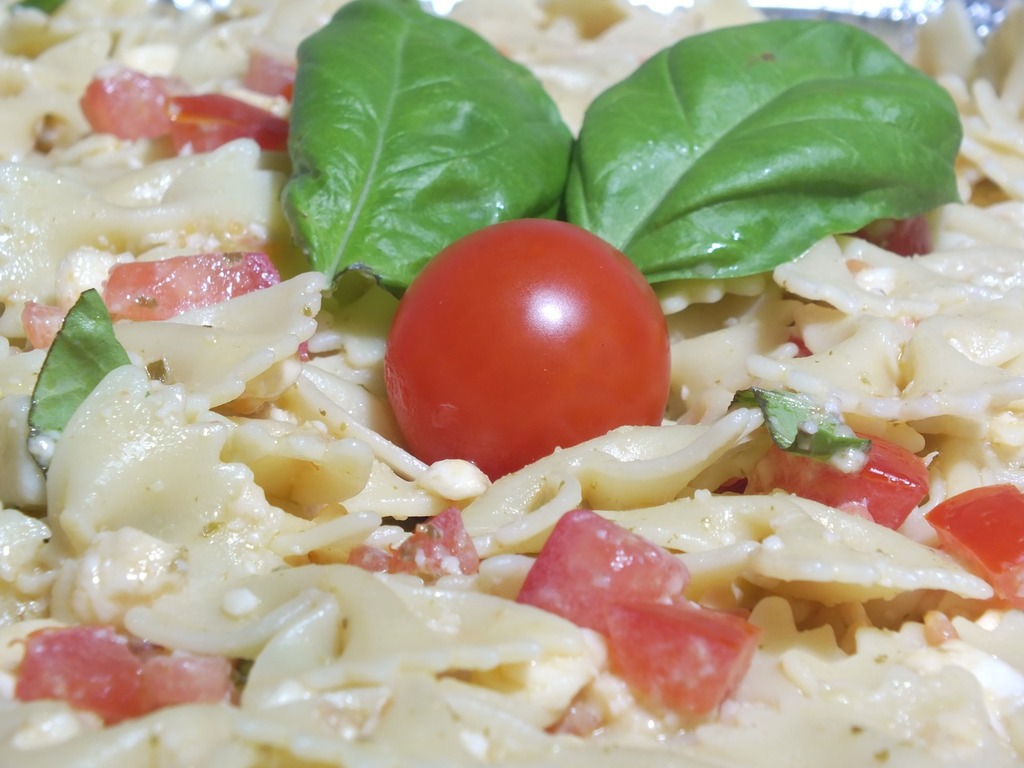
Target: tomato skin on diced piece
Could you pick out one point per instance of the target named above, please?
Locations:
(906, 237)
(203, 122)
(680, 657)
(984, 529)
(438, 547)
(157, 290)
(170, 679)
(41, 323)
(132, 105)
(91, 668)
(96, 669)
(588, 563)
(675, 655)
(128, 104)
(892, 483)
(270, 74)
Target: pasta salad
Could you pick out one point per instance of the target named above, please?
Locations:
(220, 541)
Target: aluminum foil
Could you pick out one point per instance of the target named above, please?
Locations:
(890, 20)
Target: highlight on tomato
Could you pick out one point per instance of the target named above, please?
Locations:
(520, 338)
(888, 487)
(984, 529)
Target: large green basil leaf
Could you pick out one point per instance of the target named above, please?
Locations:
(734, 151)
(409, 131)
(83, 352)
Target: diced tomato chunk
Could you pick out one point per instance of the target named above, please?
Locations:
(96, 669)
(157, 290)
(801, 348)
(372, 559)
(41, 323)
(680, 657)
(438, 547)
(888, 488)
(89, 667)
(204, 122)
(589, 563)
(269, 74)
(907, 237)
(675, 655)
(984, 529)
(168, 680)
(128, 104)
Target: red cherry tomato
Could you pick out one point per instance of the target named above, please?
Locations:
(520, 338)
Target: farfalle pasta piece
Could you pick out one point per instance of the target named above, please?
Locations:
(157, 468)
(241, 349)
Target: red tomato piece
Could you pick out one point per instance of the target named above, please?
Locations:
(588, 563)
(96, 669)
(522, 337)
(171, 679)
(269, 74)
(984, 529)
(41, 323)
(372, 559)
(91, 668)
(680, 657)
(438, 547)
(892, 483)
(906, 237)
(128, 104)
(204, 122)
(157, 290)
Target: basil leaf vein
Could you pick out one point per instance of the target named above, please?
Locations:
(409, 131)
(734, 151)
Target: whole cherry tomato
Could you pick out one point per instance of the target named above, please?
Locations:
(520, 338)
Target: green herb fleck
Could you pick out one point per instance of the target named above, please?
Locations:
(799, 425)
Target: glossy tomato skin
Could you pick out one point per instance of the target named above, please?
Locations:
(520, 338)
(984, 529)
(892, 483)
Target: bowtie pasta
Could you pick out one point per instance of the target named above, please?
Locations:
(205, 501)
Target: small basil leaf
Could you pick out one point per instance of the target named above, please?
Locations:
(734, 151)
(799, 425)
(83, 352)
(409, 131)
